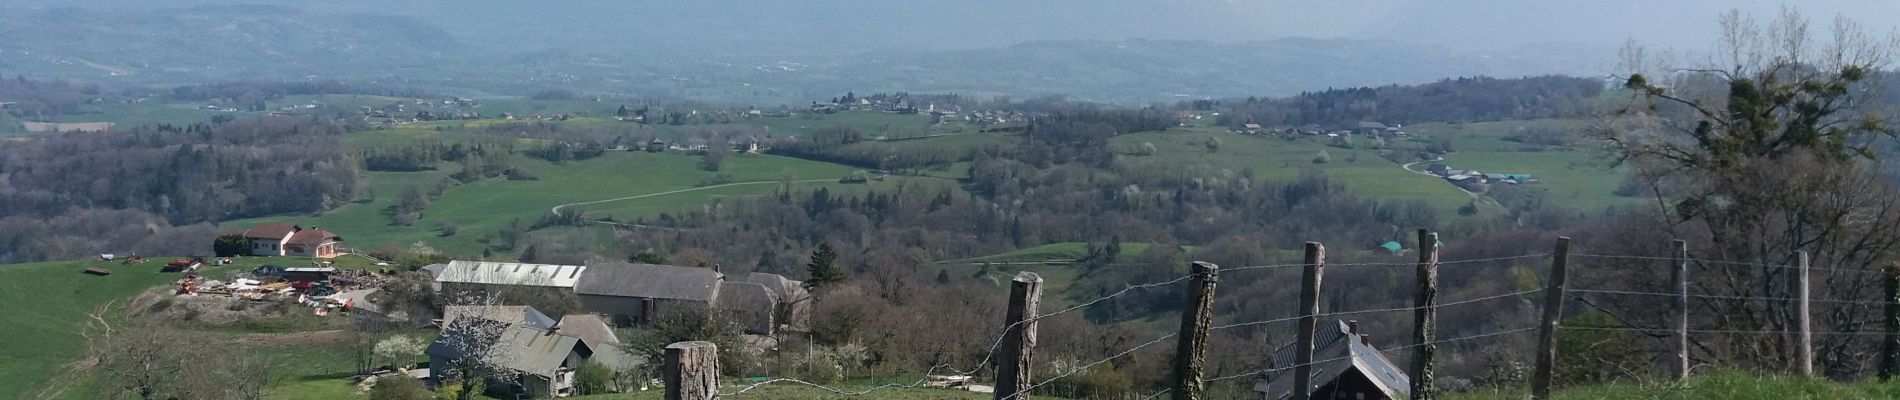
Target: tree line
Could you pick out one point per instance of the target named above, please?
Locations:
(1465, 99)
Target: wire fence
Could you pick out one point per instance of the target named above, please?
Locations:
(1000, 337)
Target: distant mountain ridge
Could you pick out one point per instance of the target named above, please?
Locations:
(221, 43)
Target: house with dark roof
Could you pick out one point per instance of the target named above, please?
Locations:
(542, 360)
(291, 240)
(1346, 366)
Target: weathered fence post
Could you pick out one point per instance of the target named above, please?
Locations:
(1681, 280)
(1425, 319)
(1890, 338)
(692, 371)
(1804, 352)
(1019, 338)
(1547, 330)
(1191, 348)
(1309, 320)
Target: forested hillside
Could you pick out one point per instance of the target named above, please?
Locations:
(60, 194)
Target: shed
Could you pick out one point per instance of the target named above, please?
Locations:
(1394, 247)
(1346, 366)
(543, 360)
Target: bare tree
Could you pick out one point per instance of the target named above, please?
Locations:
(143, 362)
(476, 343)
(1765, 149)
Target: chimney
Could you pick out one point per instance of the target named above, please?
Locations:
(1352, 326)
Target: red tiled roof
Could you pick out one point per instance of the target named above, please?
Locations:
(271, 230)
(314, 237)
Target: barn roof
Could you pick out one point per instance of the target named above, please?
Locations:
(1335, 352)
(590, 328)
(523, 315)
(518, 347)
(271, 230)
(649, 281)
(506, 273)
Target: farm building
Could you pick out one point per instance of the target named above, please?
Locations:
(291, 240)
(1347, 367)
(542, 360)
(636, 293)
(1372, 128)
(463, 276)
(628, 294)
(520, 315)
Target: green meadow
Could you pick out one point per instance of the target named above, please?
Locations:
(487, 206)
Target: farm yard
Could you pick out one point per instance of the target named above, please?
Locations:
(72, 311)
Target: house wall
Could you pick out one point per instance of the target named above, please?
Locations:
(267, 247)
(326, 250)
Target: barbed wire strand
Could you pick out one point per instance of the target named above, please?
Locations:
(1720, 262)
(1387, 264)
(1379, 310)
(1720, 297)
(1394, 349)
(1764, 332)
(997, 344)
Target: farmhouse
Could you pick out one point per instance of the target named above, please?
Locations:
(288, 239)
(542, 360)
(1372, 128)
(1348, 367)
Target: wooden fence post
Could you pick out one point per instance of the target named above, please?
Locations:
(1547, 330)
(1890, 339)
(1309, 320)
(1019, 338)
(1191, 348)
(692, 371)
(1681, 280)
(1804, 353)
(1425, 319)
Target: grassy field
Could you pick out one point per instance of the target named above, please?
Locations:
(1721, 384)
(489, 205)
(1576, 177)
(1272, 159)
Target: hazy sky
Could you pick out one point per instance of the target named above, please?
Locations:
(1460, 24)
